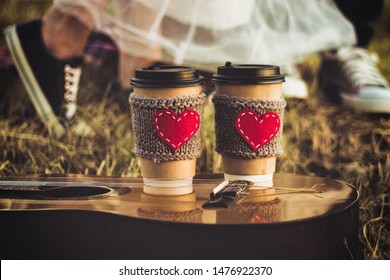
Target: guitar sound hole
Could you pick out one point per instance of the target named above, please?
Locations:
(75, 192)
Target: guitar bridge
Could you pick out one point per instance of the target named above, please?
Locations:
(227, 192)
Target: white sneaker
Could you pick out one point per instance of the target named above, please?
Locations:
(294, 86)
(353, 74)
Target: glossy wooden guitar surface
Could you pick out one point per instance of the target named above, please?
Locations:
(295, 208)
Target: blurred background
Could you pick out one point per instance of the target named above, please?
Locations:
(321, 138)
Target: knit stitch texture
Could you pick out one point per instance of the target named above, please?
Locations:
(148, 144)
(229, 141)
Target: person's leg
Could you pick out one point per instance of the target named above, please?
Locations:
(64, 35)
(126, 16)
(361, 13)
(128, 64)
(67, 25)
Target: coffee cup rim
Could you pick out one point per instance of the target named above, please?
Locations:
(167, 76)
(248, 74)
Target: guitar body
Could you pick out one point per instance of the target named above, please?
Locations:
(85, 217)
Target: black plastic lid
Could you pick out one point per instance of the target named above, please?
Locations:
(167, 76)
(242, 74)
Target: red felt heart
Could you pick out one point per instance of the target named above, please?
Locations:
(176, 130)
(257, 218)
(257, 131)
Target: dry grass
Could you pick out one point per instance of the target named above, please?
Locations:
(320, 138)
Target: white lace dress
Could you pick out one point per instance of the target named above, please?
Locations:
(206, 33)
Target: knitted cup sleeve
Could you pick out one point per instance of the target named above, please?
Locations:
(191, 216)
(150, 140)
(244, 212)
(242, 126)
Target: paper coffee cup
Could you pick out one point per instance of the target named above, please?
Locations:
(256, 82)
(167, 82)
(176, 208)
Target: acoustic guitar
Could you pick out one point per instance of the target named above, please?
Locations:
(91, 217)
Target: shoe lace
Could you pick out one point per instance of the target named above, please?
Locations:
(71, 86)
(361, 65)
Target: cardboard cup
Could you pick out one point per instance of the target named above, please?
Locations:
(172, 170)
(261, 166)
(167, 203)
(170, 208)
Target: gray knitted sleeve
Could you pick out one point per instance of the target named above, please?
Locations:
(148, 144)
(229, 141)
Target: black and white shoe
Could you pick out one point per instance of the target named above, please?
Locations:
(51, 84)
(352, 73)
(294, 86)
